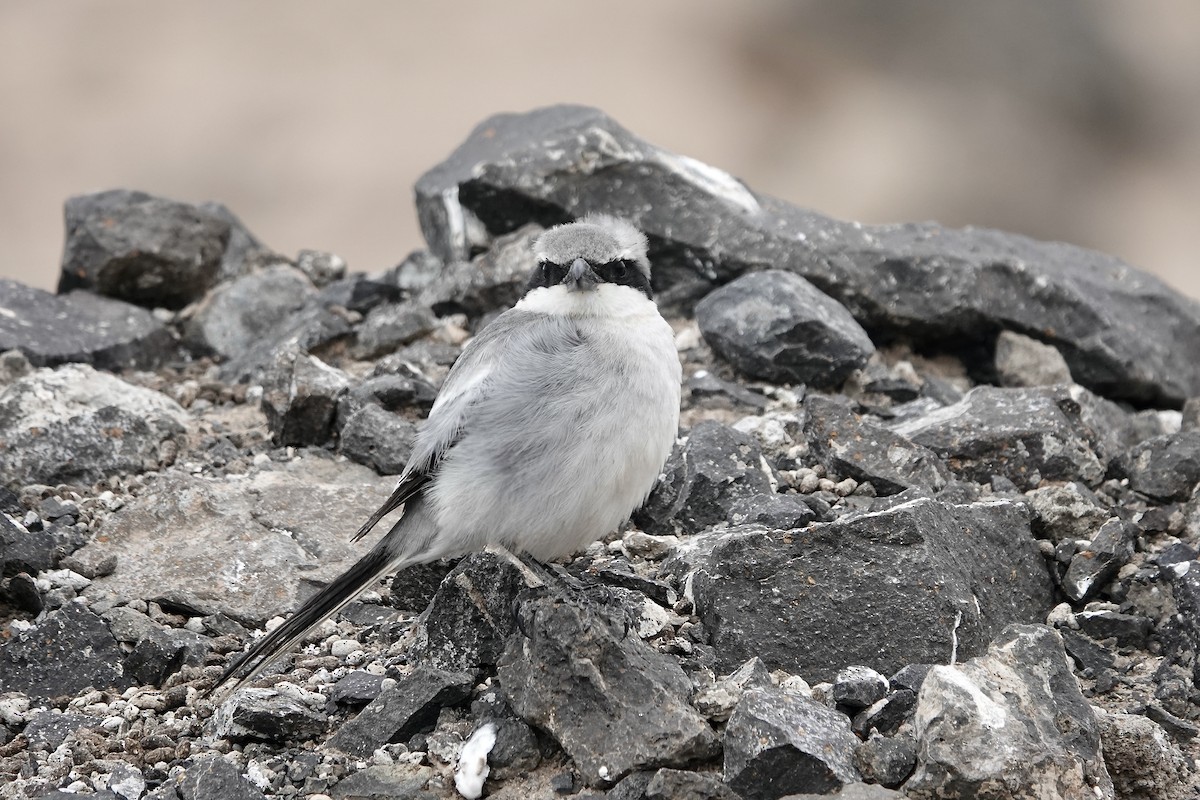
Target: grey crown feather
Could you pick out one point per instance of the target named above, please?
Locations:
(598, 238)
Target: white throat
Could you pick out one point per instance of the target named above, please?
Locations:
(606, 300)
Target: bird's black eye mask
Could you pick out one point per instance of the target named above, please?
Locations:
(623, 273)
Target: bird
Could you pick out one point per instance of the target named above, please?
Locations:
(550, 429)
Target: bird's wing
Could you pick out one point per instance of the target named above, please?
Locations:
(465, 384)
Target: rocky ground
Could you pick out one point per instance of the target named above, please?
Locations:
(931, 527)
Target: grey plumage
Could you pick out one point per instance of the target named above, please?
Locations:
(548, 431)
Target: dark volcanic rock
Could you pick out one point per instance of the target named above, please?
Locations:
(572, 668)
(300, 398)
(49, 729)
(378, 438)
(402, 710)
(359, 293)
(858, 687)
(1021, 434)
(1124, 333)
(140, 248)
(248, 321)
(244, 250)
(776, 326)
(80, 327)
(388, 327)
(882, 589)
(470, 619)
(237, 315)
(74, 424)
(1128, 630)
(356, 689)
(777, 511)
(1096, 564)
(163, 652)
(269, 715)
(212, 777)
(1166, 467)
(851, 446)
(886, 760)
(33, 551)
(678, 784)
(1011, 723)
(70, 650)
(778, 744)
(886, 715)
(492, 281)
(704, 477)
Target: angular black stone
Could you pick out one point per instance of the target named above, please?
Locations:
(706, 390)
(883, 589)
(857, 687)
(492, 281)
(885, 760)
(1166, 467)
(80, 327)
(886, 715)
(269, 715)
(1096, 564)
(68, 651)
(778, 744)
(776, 326)
(705, 476)
(572, 667)
(300, 398)
(163, 652)
(355, 688)
(392, 391)
(472, 617)
(237, 315)
(1123, 332)
(46, 730)
(311, 327)
(212, 777)
(402, 710)
(1092, 658)
(388, 327)
(1129, 630)
(359, 293)
(376, 437)
(1021, 434)
(910, 677)
(782, 512)
(678, 784)
(37, 551)
(140, 248)
(851, 446)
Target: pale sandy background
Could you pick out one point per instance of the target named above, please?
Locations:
(1074, 119)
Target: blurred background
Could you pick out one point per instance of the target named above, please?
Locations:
(1077, 120)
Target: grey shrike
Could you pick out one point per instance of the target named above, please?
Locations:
(550, 429)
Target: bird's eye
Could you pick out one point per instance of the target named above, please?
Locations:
(620, 270)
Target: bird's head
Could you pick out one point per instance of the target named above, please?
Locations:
(585, 255)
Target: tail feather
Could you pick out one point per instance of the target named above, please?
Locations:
(316, 610)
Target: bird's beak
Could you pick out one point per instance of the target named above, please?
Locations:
(581, 277)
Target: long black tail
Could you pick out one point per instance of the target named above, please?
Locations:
(321, 606)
